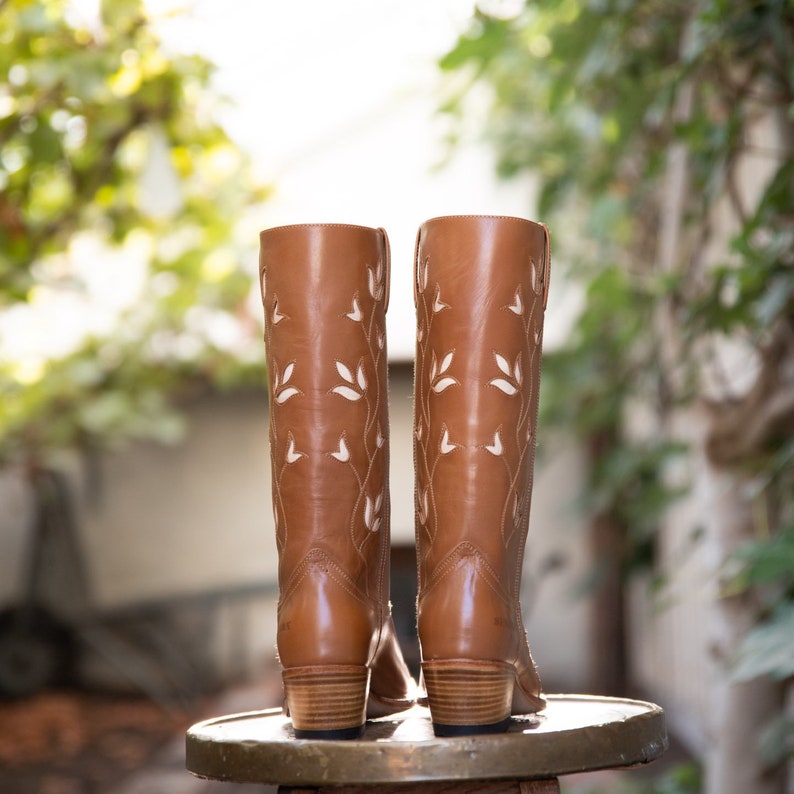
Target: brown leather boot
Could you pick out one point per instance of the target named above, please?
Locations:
(481, 285)
(325, 292)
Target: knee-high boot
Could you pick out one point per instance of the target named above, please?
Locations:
(481, 284)
(325, 293)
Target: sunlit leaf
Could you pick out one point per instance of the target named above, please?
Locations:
(769, 648)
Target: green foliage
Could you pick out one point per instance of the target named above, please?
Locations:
(111, 163)
(681, 779)
(587, 387)
(767, 562)
(600, 362)
(603, 101)
(756, 289)
(768, 649)
(765, 568)
(573, 82)
(776, 742)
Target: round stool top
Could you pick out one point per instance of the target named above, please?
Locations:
(575, 733)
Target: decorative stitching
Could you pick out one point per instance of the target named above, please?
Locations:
(313, 559)
(434, 376)
(458, 557)
(359, 383)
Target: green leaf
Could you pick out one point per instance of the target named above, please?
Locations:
(769, 561)
(768, 650)
(486, 39)
(684, 778)
(776, 742)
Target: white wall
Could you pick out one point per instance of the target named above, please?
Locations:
(169, 522)
(196, 516)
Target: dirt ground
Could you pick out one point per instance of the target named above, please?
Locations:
(74, 742)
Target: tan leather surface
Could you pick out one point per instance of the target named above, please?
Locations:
(324, 291)
(480, 285)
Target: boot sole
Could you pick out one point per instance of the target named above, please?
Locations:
(469, 696)
(327, 702)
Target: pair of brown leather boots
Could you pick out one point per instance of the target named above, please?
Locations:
(480, 288)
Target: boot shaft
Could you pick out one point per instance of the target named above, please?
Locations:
(481, 286)
(325, 294)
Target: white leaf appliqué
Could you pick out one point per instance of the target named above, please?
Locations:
(344, 371)
(537, 286)
(517, 306)
(375, 279)
(507, 384)
(293, 456)
(504, 385)
(495, 448)
(350, 392)
(439, 384)
(438, 304)
(347, 393)
(377, 522)
(277, 316)
(281, 394)
(355, 313)
(285, 394)
(446, 445)
(372, 518)
(379, 439)
(501, 362)
(343, 453)
(442, 384)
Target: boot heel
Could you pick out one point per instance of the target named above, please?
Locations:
(467, 696)
(327, 702)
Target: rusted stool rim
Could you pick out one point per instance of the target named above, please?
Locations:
(575, 733)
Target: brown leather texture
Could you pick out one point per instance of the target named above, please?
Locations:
(481, 284)
(325, 294)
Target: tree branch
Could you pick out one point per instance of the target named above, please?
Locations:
(744, 428)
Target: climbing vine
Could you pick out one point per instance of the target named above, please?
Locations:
(662, 135)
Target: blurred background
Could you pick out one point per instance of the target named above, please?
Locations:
(144, 144)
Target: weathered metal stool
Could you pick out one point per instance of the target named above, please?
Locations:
(575, 733)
